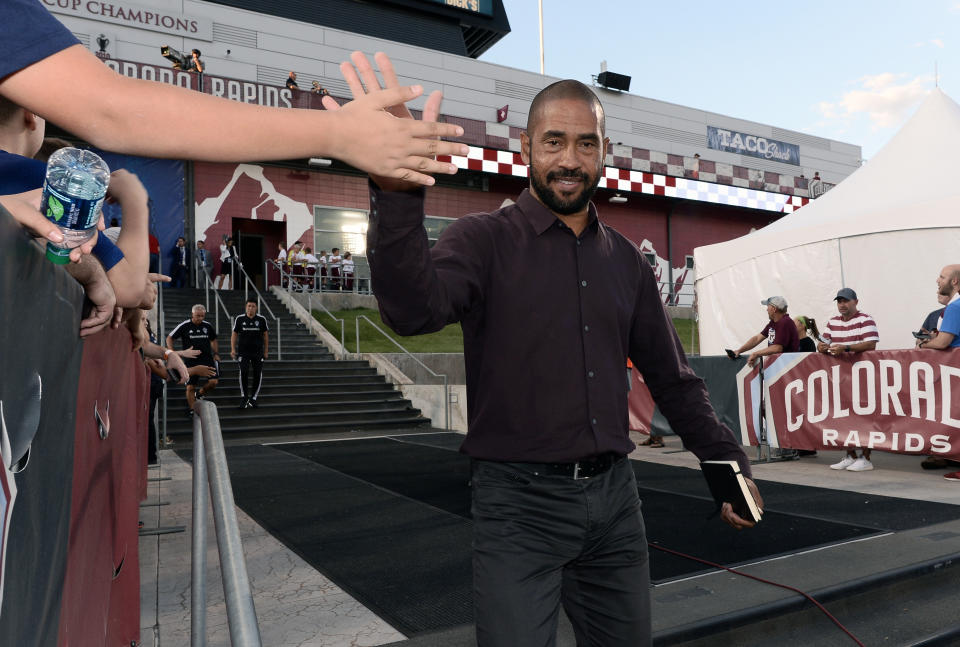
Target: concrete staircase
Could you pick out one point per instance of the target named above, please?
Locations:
(307, 392)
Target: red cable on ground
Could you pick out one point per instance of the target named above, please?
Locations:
(760, 579)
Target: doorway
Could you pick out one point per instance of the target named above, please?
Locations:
(257, 241)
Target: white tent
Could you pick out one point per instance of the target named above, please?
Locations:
(885, 231)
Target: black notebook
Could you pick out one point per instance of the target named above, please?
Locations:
(728, 485)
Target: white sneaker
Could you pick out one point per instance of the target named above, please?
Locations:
(860, 465)
(844, 464)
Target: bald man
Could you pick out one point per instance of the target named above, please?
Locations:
(948, 287)
(556, 511)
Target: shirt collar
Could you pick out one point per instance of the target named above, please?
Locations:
(542, 218)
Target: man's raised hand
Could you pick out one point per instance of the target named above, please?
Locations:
(403, 148)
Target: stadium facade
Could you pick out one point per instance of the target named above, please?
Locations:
(679, 177)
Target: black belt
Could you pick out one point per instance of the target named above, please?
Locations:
(582, 469)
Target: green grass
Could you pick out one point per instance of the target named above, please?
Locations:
(687, 331)
(448, 340)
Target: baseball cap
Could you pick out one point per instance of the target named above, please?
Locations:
(846, 293)
(777, 302)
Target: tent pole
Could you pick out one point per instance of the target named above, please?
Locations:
(843, 280)
(671, 298)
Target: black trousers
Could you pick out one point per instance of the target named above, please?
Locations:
(178, 275)
(542, 541)
(251, 363)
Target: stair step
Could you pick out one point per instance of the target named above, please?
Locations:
(334, 424)
(296, 416)
(233, 369)
(305, 392)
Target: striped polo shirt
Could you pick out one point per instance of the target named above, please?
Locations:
(861, 327)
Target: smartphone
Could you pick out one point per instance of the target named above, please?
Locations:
(173, 375)
(731, 354)
(923, 335)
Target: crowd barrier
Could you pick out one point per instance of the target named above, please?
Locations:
(719, 374)
(899, 401)
(74, 461)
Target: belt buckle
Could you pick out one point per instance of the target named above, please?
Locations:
(576, 473)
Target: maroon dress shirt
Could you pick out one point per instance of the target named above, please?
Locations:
(548, 320)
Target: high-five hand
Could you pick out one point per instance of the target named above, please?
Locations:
(362, 79)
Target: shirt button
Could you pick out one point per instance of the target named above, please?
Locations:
(583, 283)
(593, 421)
(586, 328)
(590, 374)
(578, 243)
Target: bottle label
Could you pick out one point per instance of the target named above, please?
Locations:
(70, 213)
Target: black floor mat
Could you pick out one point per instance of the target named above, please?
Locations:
(388, 519)
(406, 561)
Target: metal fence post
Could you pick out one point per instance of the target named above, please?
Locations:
(198, 546)
(241, 613)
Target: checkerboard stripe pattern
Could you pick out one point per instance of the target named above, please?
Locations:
(488, 160)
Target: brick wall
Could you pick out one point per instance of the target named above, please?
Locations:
(642, 218)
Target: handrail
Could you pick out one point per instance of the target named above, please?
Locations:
(210, 467)
(217, 303)
(343, 348)
(207, 284)
(316, 279)
(446, 388)
(161, 340)
(247, 284)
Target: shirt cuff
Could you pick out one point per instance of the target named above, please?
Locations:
(405, 207)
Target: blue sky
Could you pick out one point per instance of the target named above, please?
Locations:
(849, 69)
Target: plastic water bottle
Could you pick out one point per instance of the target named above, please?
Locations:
(72, 198)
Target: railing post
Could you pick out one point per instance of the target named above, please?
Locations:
(241, 613)
(277, 320)
(357, 321)
(164, 429)
(446, 403)
(198, 547)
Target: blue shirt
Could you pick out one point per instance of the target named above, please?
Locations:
(19, 174)
(951, 322)
(28, 33)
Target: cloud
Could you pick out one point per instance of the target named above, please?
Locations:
(937, 42)
(885, 99)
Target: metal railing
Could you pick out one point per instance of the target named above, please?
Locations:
(161, 341)
(343, 347)
(210, 467)
(217, 303)
(295, 279)
(446, 387)
(261, 302)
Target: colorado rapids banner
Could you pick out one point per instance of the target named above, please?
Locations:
(901, 401)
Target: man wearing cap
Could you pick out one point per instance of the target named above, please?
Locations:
(780, 332)
(851, 331)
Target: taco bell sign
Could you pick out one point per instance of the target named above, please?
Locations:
(731, 141)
